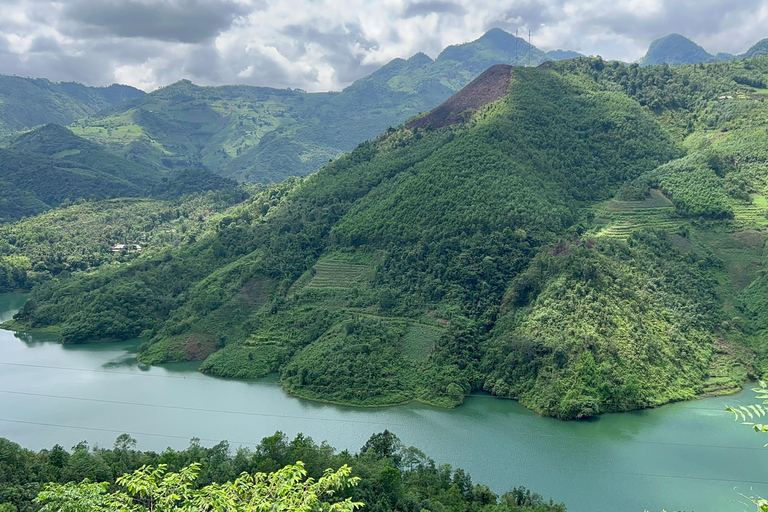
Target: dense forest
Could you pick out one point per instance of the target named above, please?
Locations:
(390, 476)
(593, 240)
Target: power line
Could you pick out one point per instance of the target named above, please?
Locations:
(194, 409)
(338, 420)
(312, 386)
(527, 466)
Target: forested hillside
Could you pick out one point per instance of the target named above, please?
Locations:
(29, 102)
(259, 134)
(588, 239)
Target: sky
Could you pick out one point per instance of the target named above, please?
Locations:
(322, 45)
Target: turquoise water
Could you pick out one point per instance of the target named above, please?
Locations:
(687, 456)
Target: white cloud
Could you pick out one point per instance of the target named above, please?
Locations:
(326, 44)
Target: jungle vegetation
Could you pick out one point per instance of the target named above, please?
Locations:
(384, 475)
(592, 241)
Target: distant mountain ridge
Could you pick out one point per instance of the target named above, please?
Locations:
(29, 102)
(262, 134)
(676, 50)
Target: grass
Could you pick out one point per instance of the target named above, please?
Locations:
(618, 219)
(335, 272)
(419, 341)
(752, 215)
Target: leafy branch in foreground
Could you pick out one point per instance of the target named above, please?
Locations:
(754, 411)
(155, 489)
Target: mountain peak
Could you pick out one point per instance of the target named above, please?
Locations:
(760, 48)
(490, 86)
(675, 50)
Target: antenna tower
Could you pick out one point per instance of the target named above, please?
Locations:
(529, 47)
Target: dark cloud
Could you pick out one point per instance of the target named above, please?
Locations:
(414, 9)
(45, 44)
(345, 47)
(185, 21)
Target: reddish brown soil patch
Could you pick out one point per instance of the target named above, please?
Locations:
(490, 86)
(751, 238)
(255, 293)
(199, 346)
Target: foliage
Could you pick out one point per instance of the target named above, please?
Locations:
(150, 488)
(29, 102)
(83, 235)
(386, 475)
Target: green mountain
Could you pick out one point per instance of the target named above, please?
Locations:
(586, 236)
(760, 48)
(29, 102)
(42, 168)
(261, 134)
(563, 54)
(675, 50)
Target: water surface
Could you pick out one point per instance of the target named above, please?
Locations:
(687, 456)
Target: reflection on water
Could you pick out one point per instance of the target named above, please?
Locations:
(685, 456)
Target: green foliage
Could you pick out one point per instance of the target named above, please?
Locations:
(620, 326)
(82, 236)
(386, 475)
(693, 186)
(29, 102)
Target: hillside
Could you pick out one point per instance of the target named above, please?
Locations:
(586, 236)
(758, 49)
(675, 50)
(29, 102)
(50, 165)
(416, 252)
(263, 135)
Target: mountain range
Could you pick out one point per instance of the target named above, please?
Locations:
(583, 236)
(259, 134)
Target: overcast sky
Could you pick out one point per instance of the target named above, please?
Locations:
(321, 45)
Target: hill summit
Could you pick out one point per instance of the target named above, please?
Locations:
(675, 50)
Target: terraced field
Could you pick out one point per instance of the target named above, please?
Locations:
(753, 215)
(337, 273)
(618, 219)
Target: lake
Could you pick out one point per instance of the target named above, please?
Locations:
(686, 456)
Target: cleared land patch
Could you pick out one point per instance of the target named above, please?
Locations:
(337, 273)
(618, 219)
(419, 341)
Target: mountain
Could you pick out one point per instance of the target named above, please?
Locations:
(29, 102)
(583, 236)
(396, 261)
(46, 166)
(760, 48)
(563, 54)
(675, 50)
(260, 134)
(724, 57)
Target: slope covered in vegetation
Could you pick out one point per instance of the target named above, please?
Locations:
(29, 102)
(377, 280)
(260, 134)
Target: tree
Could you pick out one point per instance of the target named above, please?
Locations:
(156, 490)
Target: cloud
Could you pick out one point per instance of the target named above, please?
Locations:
(433, 7)
(326, 44)
(185, 21)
